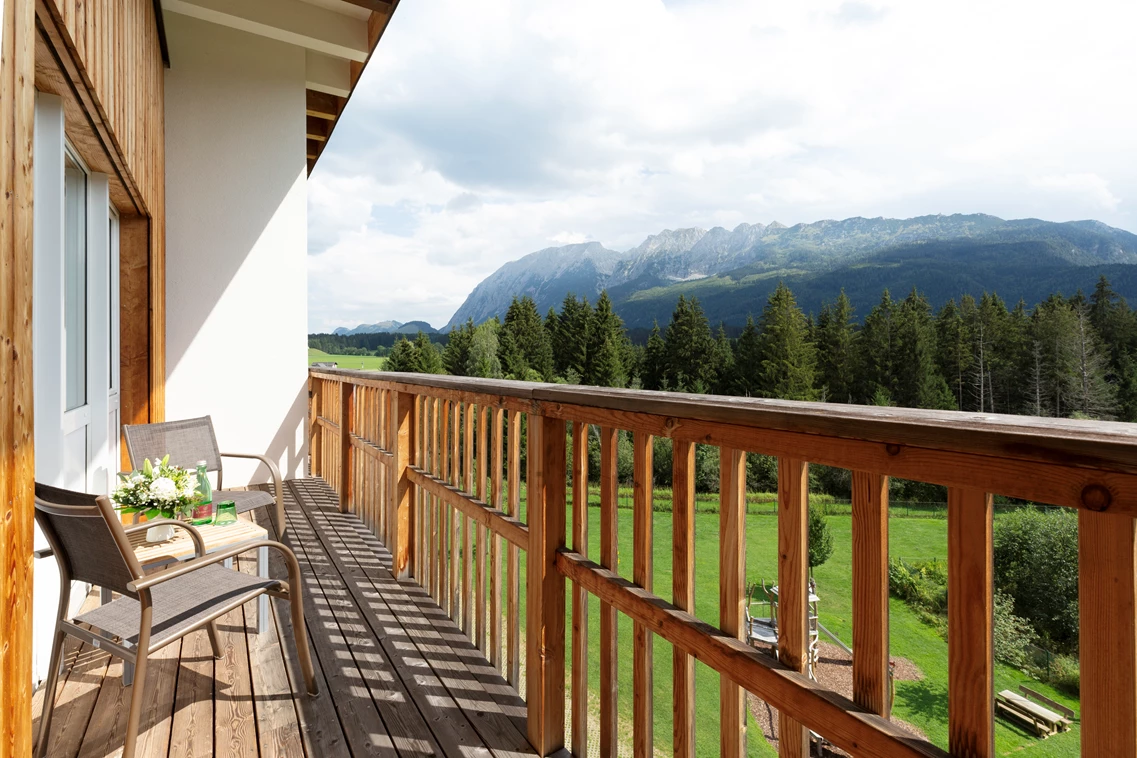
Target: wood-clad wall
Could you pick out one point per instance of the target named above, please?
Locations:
(17, 106)
(103, 58)
(108, 53)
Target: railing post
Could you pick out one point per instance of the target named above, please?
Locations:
(683, 590)
(870, 592)
(1107, 604)
(793, 590)
(347, 415)
(732, 593)
(971, 688)
(402, 526)
(316, 429)
(545, 605)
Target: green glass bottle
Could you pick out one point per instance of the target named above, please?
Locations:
(203, 504)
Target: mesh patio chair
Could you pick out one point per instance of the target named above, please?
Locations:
(192, 440)
(90, 545)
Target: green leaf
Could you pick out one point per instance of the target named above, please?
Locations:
(151, 513)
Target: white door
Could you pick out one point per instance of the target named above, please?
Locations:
(75, 333)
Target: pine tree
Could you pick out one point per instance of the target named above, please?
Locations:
(1092, 395)
(654, 361)
(689, 346)
(606, 348)
(456, 355)
(723, 360)
(404, 357)
(875, 350)
(570, 337)
(788, 358)
(429, 357)
(525, 350)
(953, 348)
(918, 383)
(836, 367)
(747, 360)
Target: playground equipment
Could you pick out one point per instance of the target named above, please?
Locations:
(763, 626)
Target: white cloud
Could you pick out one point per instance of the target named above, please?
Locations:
(484, 131)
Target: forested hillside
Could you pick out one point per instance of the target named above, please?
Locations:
(1058, 356)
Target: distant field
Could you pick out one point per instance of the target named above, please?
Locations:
(347, 361)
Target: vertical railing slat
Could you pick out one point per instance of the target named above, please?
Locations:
(1107, 605)
(545, 604)
(732, 592)
(496, 498)
(513, 561)
(579, 594)
(870, 592)
(482, 532)
(442, 471)
(455, 520)
(347, 416)
(642, 713)
(404, 424)
(683, 592)
(609, 559)
(971, 690)
(793, 590)
(467, 534)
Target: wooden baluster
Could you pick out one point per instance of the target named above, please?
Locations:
(347, 472)
(436, 506)
(545, 602)
(481, 466)
(793, 589)
(403, 432)
(1107, 606)
(609, 559)
(315, 429)
(513, 561)
(971, 689)
(391, 476)
(418, 569)
(732, 592)
(683, 591)
(642, 522)
(870, 592)
(442, 471)
(498, 416)
(580, 707)
(455, 544)
(467, 534)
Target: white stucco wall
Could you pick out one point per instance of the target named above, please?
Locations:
(236, 241)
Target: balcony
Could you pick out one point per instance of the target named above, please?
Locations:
(450, 571)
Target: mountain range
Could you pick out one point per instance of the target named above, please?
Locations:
(388, 327)
(732, 272)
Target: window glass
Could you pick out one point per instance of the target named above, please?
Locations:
(75, 283)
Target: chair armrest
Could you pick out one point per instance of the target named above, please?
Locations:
(277, 483)
(44, 552)
(186, 567)
(195, 535)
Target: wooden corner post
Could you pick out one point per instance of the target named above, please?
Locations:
(793, 590)
(402, 531)
(347, 417)
(1107, 595)
(545, 670)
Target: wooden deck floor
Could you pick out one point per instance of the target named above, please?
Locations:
(398, 678)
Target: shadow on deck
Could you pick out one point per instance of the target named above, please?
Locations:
(397, 676)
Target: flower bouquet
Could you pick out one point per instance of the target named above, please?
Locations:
(159, 490)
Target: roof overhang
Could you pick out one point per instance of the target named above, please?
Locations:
(338, 36)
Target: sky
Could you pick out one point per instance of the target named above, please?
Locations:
(483, 131)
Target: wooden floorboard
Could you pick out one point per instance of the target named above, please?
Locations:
(398, 678)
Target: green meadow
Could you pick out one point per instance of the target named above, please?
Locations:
(369, 362)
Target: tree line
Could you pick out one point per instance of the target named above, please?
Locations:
(1064, 357)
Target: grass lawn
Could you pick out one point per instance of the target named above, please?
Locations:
(370, 362)
(922, 703)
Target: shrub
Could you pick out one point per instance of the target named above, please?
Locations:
(1013, 636)
(820, 538)
(1036, 564)
(923, 585)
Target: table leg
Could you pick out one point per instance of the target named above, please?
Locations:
(104, 595)
(262, 601)
(127, 673)
(228, 563)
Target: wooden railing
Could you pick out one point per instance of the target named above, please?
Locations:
(432, 465)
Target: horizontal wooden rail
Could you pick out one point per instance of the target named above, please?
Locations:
(370, 448)
(328, 424)
(1089, 465)
(843, 723)
(513, 531)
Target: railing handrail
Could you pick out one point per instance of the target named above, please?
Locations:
(1107, 445)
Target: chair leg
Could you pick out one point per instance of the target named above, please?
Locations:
(138, 693)
(49, 692)
(215, 639)
(300, 633)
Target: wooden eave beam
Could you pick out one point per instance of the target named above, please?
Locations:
(292, 21)
(375, 6)
(314, 147)
(318, 128)
(322, 105)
